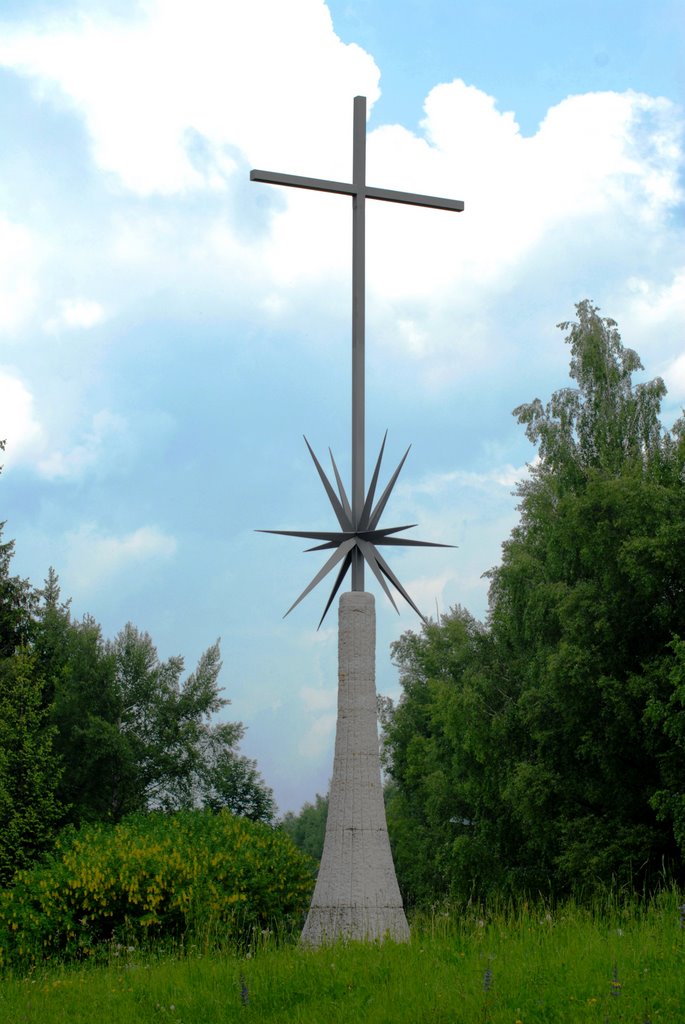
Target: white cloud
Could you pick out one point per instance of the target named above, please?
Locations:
(18, 424)
(35, 443)
(657, 306)
(316, 740)
(209, 72)
(415, 339)
(107, 432)
(95, 557)
(599, 157)
(314, 699)
(213, 88)
(660, 300)
(427, 593)
(19, 263)
(318, 708)
(75, 313)
(437, 484)
(674, 378)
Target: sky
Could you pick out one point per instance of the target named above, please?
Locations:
(169, 330)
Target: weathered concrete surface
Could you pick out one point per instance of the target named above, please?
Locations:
(356, 894)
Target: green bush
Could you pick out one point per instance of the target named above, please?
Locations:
(191, 876)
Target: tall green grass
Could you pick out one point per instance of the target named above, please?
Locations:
(519, 963)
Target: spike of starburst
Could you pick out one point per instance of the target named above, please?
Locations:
(369, 553)
(368, 504)
(364, 535)
(336, 586)
(396, 583)
(332, 497)
(341, 488)
(378, 511)
(401, 541)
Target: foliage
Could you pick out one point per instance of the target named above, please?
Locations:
(545, 752)
(185, 876)
(308, 828)
(607, 423)
(498, 965)
(17, 600)
(29, 771)
(435, 752)
(666, 712)
(132, 735)
(232, 781)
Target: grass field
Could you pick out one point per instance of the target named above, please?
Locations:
(518, 964)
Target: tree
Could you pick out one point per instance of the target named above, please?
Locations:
(308, 828)
(232, 781)
(606, 423)
(164, 720)
(17, 600)
(445, 742)
(29, 769)
(590, 590)
(665, 712)
(546, 755)
(131, 734)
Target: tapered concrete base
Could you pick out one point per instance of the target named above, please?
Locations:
(356, 894)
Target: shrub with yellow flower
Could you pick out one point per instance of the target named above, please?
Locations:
(194, 874)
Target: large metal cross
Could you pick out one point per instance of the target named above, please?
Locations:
(360, 192)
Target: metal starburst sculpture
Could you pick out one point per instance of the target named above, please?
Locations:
(364, 535)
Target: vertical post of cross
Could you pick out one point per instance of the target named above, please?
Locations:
(358, 304)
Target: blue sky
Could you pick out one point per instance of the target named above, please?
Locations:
(169, 330)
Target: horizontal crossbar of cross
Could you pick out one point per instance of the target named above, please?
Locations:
(349, 189)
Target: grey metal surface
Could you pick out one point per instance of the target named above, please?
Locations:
(354, 512)
(345, 188)
(358, 326)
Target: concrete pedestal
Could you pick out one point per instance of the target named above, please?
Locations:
(356, 894)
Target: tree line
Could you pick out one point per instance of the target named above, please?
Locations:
(93, 730)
